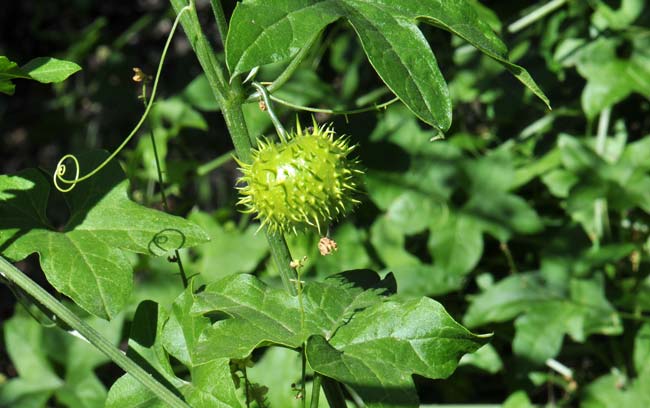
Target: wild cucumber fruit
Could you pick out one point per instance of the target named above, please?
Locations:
(306, 181)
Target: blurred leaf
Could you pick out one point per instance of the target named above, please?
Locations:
(610, 77)
(456, 244)
(506, 299)
(518, 399)
(502, 215)
(546, 315)
(618, 19)
(230, 250)
(53, 364)
(486, 358)
(199, 94)
(642, 350)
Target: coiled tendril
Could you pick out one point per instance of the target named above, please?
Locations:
(61, 168)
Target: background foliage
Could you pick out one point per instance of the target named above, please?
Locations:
(525, 222)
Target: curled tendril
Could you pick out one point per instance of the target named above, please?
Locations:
(167, 240)
(60, 170)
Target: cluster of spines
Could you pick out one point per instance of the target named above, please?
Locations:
(305, 205)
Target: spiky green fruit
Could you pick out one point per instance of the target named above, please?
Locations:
(306, 181)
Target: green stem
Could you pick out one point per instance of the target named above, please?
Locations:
(16, 276)
(282, 258)
(269, 109)
(214, 164)
(536, 15)
(304, 377)
(206, 56)
(315, 391)
(333, 111)
(601, 222)
(163, 198)
(230, 97)
(220, 18)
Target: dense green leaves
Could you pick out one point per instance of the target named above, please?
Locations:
(388, 31)
(616, 389)
(352, 334)
(211, 385)
(38, 353)
(85, 258)
(44, 69)
(545, 313)
(263, 315)
(613, 67)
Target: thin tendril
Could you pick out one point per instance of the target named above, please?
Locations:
(334, 111)
(61, 167)
(269, 109)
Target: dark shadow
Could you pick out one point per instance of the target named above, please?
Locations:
(368, 279)
(144, 332)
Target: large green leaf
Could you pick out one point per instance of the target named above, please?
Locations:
(403, 59)
(261, 315)
(382, 346)
(262, 33)
(86, 259)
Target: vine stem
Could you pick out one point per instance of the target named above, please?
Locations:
(536, 15)
(161, 184)
(215, 163)
(333, 111)
(315, 390)
(61, 168)
(230, 96)
(269, 109)
(15, 275)
(220, 18)
(600, 205)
